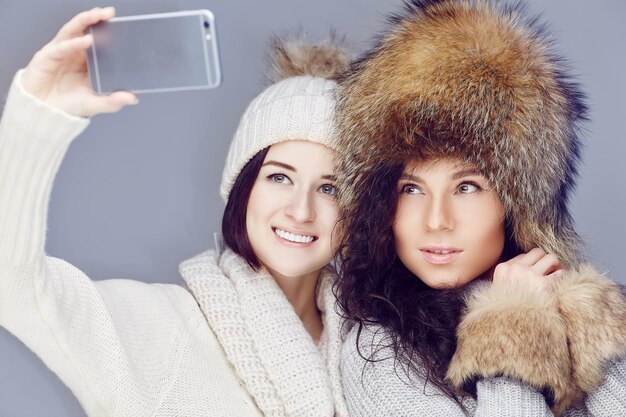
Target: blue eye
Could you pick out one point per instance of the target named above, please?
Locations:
(328, 189)
(279, 178)
(410, 189)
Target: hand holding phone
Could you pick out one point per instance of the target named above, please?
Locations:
(155, 53)
(57, 73)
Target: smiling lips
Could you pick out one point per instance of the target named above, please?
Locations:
(294, 238)
(440, 255)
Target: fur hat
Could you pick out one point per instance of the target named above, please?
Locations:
(299, 105)
(476, 80)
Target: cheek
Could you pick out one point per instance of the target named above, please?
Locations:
(498, 238)
(255, 208)
(326, 214)
(489, 233)
(405, 222)
(266, 195)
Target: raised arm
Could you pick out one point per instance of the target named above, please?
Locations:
(50, 306)
(46, 109)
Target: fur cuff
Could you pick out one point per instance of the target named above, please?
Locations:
(515, 331)
(594, 311)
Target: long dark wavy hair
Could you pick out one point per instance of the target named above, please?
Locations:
(376, 288)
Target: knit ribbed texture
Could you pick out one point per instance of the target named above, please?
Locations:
(35, 138)
(297, 108)
(265, 340)
(382, 388)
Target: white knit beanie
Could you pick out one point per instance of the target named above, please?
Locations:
(299, 106)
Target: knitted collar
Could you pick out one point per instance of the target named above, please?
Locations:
(265, 341)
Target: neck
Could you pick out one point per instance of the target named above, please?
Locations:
(300, 292)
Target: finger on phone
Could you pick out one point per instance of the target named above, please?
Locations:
(532, 257)
(68, 47)
(111, 103)
(79, 23)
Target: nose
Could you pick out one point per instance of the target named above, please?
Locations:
(439, 214)
(300, 208)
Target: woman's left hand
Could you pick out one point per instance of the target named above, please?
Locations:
(535, 268)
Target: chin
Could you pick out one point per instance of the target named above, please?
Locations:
(292, 270)
(443, 279)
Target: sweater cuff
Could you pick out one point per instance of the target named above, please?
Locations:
(512, 330)
(25, 114)
(507, 397)
(33, 140)
(594, 311)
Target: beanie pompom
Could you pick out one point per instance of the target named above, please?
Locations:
(294, 57)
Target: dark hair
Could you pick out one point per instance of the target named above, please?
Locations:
(234, 229)
(376, 288)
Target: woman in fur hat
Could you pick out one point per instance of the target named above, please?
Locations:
(461, 270)
(255, 333)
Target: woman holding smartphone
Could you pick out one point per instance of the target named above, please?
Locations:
(255, 332)
(461, 270)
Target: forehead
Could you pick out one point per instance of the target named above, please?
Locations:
(440, 164)
(300, 151)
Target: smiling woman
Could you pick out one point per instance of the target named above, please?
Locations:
(255, 331)
(280, 216)
(292, 209)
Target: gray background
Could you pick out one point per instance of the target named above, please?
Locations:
(138, 192)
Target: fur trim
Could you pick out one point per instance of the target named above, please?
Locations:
(292, 58)
(475, 80)
(594, 311)
(515, 331)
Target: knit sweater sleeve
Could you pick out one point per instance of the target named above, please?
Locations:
(51, 306)
(383, 387)
(34, 138)
(609, 398)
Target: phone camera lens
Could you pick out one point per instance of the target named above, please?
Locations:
(206, 24)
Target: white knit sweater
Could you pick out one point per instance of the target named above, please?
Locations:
(230, 346)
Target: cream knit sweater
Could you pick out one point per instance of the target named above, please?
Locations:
(231, 345)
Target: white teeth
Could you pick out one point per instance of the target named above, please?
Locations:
(293, 237)
(440, 252)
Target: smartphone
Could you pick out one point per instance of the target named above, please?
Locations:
(154, 53)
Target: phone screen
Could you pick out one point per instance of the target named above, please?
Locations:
(154, 53)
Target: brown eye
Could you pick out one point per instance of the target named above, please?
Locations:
(469, 188)
(410, 189)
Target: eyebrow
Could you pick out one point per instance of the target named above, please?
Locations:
(280, 165)
(293, 169)
(465, 173)
(459, 174)
(411, 177)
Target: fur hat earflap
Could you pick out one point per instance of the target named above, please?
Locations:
(475, 80)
